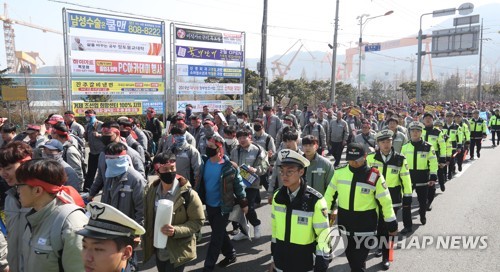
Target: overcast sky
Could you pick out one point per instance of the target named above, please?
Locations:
(289, 20)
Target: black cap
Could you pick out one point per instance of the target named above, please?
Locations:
(428, 114)
(354, 151)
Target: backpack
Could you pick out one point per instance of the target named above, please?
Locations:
(82, 158)
(152, 148)
(81, 144)
(56, 232)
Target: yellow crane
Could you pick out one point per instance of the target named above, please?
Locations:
(19, 60)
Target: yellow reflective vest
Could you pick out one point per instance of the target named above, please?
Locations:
(359, 192)
(435, 137)
(422, 162)
(396, 174)
(477, 128)
(297, 230)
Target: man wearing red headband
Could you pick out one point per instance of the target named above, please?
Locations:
(153, 124)
(73, 125)
(218, 185)
(93, 138)
(11, 157)
(40, 187)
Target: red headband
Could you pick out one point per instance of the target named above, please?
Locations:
(60, 132)
(111, 130)
(25, 159)
(66, 194)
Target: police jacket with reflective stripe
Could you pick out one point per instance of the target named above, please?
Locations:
(395, 172)
(422, 161)
(296, 227)
(435, 137)
(477, 128)
(360, 191)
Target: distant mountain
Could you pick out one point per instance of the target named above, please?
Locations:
(389, 65)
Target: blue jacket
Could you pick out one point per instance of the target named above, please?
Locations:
(232, 189)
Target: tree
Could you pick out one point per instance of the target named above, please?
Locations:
(450, 88)
(344, 92)
(320, 89)
(5, 80)
(430, 89)
(278, 89)
(376, 91)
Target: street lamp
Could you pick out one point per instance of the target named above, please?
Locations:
(360, 43)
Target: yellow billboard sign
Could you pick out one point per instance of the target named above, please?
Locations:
(90, 87)
(14, 93)
(108, 108)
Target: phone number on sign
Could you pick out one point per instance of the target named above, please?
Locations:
(137, 29)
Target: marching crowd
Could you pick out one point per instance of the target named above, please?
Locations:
(211, 164)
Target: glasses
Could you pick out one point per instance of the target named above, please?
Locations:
(17, 186)
(288, 173)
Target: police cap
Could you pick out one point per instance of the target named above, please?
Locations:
(416, 125)
(288, 156)
(107, 222)
(384, 134)
(355, 151)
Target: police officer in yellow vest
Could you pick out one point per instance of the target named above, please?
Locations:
(477, 126)
(465, 137)
(423, 165)
(362, 194)
(454, 142)
(394, 167)
(299, 217)
(436, 138)
(494, 127)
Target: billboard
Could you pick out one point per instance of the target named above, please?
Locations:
(108, 108)
(113, 55)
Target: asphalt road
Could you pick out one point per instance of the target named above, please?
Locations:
(470, 206)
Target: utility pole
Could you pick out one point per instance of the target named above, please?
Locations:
(479, 87)
(263, 56)
(334, 53)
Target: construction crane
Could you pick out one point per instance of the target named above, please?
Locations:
(404, 42)
(19, 60)
(282, 68)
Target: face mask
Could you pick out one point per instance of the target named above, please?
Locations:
(285, 125)
(257, 127)
(92, 119)
(57, 157)
(87, 119)
(168, 177)
(210, 151)
(209, 131)
(230, 141)
(312, 120)
(179, 141)
(106, 139)
(116, 167)
(124, 133)
(240, 121)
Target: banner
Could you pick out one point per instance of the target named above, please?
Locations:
(128, 67)
(84, 87)
(212, 105)
(184, 88)
(233, 38)
(82, 66)
(117, 25)
(14, 93)
(209, 71)
(158, 106)
(88, 44)
(198, 35)
(208, 53)
(108, 108)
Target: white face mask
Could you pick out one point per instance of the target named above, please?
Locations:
(312, 120)
(240, 121)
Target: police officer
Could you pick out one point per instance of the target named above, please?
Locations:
(108, 239)
(494, 127)
(465, 137)
(454, 141)
(477, 127)
(423, 165)
(394, 167)
(436, 138)
(362, 194)
(299, 218)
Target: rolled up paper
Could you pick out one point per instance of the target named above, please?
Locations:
(163, 217)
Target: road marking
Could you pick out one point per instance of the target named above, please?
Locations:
(465, 166)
